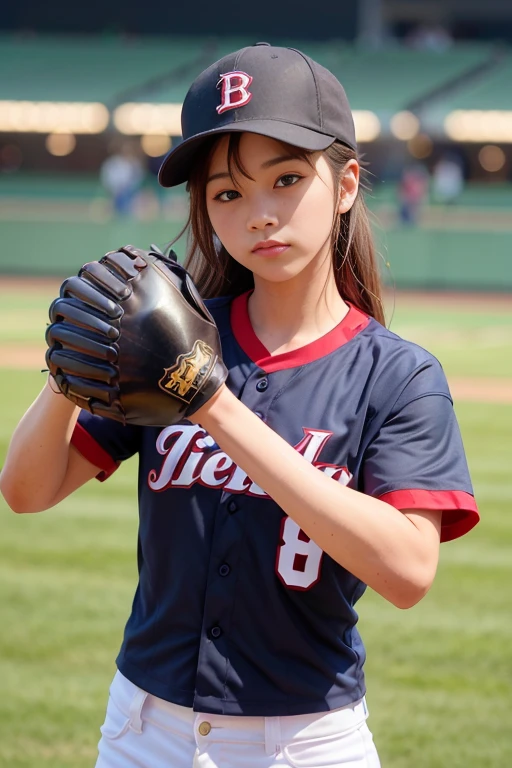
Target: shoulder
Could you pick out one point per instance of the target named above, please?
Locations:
(400, 367)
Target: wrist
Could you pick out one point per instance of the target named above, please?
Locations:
(213, 408)
(58, 405)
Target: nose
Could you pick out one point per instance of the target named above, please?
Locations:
(261, 216)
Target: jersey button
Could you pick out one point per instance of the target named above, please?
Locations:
(216, 632)
(224, 569)
(204, 728)
(262, 385)
(232, 507)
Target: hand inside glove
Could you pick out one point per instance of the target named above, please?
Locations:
(131, 339)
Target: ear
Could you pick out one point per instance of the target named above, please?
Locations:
(349, 186)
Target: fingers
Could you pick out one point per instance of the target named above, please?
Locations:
(102, 284)
(127, 262)
(73, 363)
(97, 273)
(98, 400)
(112, 411)
(77, 288)
(84, 342)
(76, 313)
(90, 390)
(116, 269)
(85, 320)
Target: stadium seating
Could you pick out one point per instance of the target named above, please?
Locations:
(88, 69)
(490, 91)
(387, 81)
(111, 70)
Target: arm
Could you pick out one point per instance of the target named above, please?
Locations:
(393, 552)
(41, 467)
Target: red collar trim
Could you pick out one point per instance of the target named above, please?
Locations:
(352, 324)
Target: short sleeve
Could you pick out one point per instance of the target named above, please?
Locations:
(104, 442)
(417, 461)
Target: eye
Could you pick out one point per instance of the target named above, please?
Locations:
(225, 197)
(288, 179)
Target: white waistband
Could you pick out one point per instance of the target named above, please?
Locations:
(140, 706)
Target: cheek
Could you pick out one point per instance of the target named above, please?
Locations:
(228, 224)
(314, 214)
(220, 217)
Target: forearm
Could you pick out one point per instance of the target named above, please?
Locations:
(368, 537)
(37, 458)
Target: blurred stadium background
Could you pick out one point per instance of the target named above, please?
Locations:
(89, 103)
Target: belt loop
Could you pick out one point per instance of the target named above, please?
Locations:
(272, 736)
(135, 711)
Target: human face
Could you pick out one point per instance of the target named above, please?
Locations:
(277, 223)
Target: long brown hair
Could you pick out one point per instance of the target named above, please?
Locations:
(354, 257)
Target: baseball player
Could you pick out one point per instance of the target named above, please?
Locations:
(291, 449)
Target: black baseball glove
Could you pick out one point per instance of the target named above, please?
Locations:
(131, 339)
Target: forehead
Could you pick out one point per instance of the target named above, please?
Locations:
(253, 150)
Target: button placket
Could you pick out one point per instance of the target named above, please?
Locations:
(226, 551)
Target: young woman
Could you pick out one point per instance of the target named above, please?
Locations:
(329, 460)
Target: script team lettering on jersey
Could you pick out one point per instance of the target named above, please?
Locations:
(189, 459)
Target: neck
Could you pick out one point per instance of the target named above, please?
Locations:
(290, 314)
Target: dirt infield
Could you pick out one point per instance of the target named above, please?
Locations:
(463, 301)
(28, 357)
(483, 390)
(29, 285)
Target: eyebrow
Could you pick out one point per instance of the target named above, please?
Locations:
(267, 164)
(277, 160)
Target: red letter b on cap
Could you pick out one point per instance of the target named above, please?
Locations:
(234, 90)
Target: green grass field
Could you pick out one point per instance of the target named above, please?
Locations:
(439, 675)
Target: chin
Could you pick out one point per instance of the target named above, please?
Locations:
(276, 273)
(280, 272)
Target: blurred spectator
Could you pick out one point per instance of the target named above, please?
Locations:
(429, 37)
(122, 175)
(11, 158)
(447, 179)
(412, 192)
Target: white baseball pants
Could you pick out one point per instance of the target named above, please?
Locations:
(142, 731)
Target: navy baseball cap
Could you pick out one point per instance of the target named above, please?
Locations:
(276, 92)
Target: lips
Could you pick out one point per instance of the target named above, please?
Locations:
(270, 248)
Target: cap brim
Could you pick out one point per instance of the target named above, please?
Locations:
(176, 167)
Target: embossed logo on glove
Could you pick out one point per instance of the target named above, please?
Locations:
(192, 369)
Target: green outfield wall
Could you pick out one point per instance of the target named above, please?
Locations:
(418, 258)
(50, 248)
(447, 259)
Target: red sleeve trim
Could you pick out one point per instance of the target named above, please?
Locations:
(93, 452)
(460, 510)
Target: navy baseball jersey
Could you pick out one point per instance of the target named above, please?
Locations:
(237, 611)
